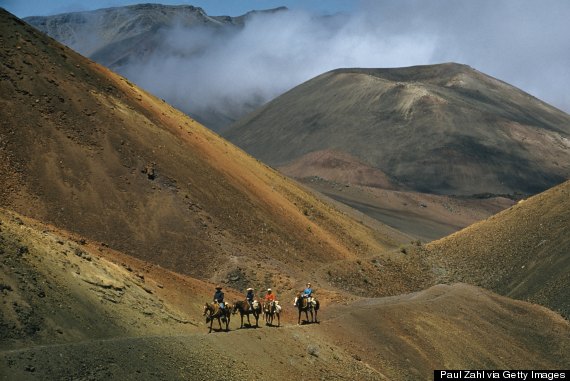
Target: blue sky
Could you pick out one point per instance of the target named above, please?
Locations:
(24, 8)
(522, 42)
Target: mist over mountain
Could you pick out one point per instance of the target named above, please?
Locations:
(218, 68)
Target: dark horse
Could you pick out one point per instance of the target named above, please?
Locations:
(244, 309)
(271, 309)
(213, 311)
(303, 304)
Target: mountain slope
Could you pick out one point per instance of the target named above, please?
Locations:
(79, 310)
(522, 252)
(85, 150)
(444, 129)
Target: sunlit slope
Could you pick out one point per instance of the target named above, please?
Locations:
(87, 151)
(443, 128)
(522, 252)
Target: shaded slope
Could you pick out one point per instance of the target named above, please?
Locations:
(440, 129)
(57, 288)
(522, 252)
(87, 151)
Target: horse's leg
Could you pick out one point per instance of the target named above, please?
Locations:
(316, 320)
(220, 323)
(299, 320)
(241, 315)
(278, 320)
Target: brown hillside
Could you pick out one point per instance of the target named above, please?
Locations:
(78, 310)
(522, 252)
(338, 167)
(85, 150)
(445, 129)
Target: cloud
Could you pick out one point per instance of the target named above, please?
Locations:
(230, 71)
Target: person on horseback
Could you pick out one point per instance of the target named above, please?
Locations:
(270, 296)
(249, 297)
(219, 297)
(308, 292)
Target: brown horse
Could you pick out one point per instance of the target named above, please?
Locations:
(307, 305)
(244, 309)
(272, 309)
(213, 311)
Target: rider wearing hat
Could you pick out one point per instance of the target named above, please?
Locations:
(219, 296)
(270, 296)
(249, 297)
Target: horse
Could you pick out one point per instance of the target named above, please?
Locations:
(244, 309)
(307, 305)
(272, 309)
(213, 311)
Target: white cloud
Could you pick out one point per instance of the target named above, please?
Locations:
(271, 54)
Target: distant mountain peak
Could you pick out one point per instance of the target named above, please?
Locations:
(444, 128)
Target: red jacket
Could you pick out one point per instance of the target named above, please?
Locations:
(270, 297)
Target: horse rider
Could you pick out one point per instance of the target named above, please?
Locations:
(308, 292)
(219, 297)
(270, 296)
(249, 297)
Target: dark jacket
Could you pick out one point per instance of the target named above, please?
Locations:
(219, 296)
(249, 296)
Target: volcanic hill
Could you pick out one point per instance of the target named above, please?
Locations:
(443, 129)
